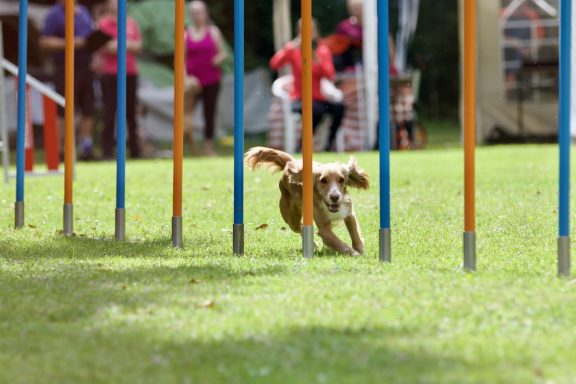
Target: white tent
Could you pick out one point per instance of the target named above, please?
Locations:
(503, 53)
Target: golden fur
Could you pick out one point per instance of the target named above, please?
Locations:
(332, 202)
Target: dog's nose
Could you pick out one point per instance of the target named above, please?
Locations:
(335, 198)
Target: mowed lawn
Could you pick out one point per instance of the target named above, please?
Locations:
(88, 309)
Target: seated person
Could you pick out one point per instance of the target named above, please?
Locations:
(322, 67)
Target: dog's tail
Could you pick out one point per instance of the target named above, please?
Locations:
(268, 157)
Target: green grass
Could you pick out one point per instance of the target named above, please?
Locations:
(87, 309)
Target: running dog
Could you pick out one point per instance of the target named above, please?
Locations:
(332, 202)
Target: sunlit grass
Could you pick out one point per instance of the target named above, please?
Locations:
(88, 309)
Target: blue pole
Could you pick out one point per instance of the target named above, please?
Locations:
(238, 245)
(384, 128)
(21, 125)
(564, 137)
(121, 123)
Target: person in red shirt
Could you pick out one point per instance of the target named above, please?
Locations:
(109, 70)
(322, 67)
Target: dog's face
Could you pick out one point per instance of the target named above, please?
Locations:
(332, 180)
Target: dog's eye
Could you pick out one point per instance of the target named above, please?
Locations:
(341, 181)
(324, 180)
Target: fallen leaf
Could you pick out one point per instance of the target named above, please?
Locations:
(31, 226)
(283, 229)
(207, 304)
(262, 226)
(194, 281)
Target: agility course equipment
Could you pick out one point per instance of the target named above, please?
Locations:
(69, 120)
(307, 134)
(120, 216)
(564, 138)
(21, 125)
(384, 128)
(50, 100)
(469, 134)
(177, 240)
(385, 240)
(238, 228)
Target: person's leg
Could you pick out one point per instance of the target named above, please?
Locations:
(210, 98)
(319, 109)
(192, 92)
(109, 95)
(85, 98)
(131, 103)
(59, 86)
(336, 111)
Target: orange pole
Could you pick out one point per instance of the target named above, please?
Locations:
(69, 109)
(469, 114)
(307, 135)
(178, 123)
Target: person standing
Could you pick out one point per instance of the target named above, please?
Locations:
(109, 80)
(53, 41)
(205, 53)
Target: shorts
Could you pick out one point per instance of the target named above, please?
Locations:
(83, 90)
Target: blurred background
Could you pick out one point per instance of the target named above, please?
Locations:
(518, 71)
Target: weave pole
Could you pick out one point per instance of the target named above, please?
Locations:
(469, 134)
(21, 124)
(178, 124)
(307, 138)
(120, 222)
(69, 120)
(564, 138)
(238, 228)
(384, 130)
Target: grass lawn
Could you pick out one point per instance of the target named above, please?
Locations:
(87, 309)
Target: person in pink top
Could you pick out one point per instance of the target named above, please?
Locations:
(109, 70)
(205, 53)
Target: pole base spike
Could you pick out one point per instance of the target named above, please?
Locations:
(120, 224)
(564, 256)
(177, 240)
(238, 239)
(470, 251)
(19, 215)
(308, 241)
(385, 245)
(68, 220)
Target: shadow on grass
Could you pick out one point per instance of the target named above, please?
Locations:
(315, 354)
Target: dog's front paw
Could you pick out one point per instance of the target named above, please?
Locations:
(349, 251)
(359, 248)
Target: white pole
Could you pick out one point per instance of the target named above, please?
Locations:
(3, 126)
(370, 69)
(38, 85)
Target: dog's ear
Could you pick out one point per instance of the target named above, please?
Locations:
(294, 173)
(357, 177)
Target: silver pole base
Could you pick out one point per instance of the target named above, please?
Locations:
(238, 239)
(177, 231)
(470, 251)
(564, 256)
(385, 245)
(120, 232)
(68, 221)
(308, 241)
(19, 215)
